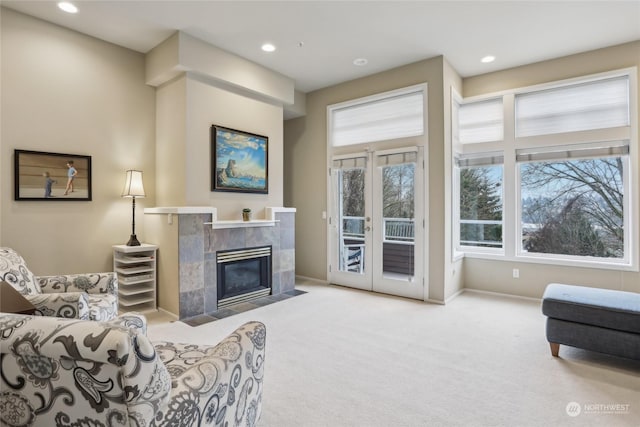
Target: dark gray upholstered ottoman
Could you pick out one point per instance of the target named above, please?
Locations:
(594, 319)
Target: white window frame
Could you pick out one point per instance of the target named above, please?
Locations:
(512, 243)
(459, 247)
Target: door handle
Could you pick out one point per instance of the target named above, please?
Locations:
(367, 228)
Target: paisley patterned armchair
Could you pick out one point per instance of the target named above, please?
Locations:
(81, 296)
(67, 372)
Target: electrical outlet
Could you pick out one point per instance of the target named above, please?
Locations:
(516, 273)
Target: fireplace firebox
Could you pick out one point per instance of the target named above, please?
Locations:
(243, 274)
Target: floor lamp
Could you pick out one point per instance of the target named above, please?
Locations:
(133, 189)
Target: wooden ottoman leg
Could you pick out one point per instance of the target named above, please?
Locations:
(555, 348)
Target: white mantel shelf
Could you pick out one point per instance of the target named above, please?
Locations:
(269, 221)
(242, 224)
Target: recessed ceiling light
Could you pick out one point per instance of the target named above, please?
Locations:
(487, 59)
(360, 61)
(268, 47)
(67, 7)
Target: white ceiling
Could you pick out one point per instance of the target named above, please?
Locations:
(317, 41)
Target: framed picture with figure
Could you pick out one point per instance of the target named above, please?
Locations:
(239, 161)
(51, 176)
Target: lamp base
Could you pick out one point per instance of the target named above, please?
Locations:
(133, 241)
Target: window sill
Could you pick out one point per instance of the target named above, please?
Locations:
(617, 266)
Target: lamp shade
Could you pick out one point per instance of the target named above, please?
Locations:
(133, 185)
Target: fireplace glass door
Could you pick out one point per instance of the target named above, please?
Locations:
(243, 274)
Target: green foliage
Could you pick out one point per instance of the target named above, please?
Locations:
(480, 200)
(569, 233)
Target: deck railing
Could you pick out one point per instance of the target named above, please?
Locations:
(478, 229)
(397, 230)
(402, 230)
(353, 227)
(398, 241)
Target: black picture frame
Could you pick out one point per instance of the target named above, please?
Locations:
(44, 176)
(239, 161)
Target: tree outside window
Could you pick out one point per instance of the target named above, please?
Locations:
(481, 206)
(573, 207)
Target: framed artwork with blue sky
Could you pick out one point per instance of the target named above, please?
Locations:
(239, 161)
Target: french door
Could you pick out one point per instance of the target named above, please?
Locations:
(376, 229)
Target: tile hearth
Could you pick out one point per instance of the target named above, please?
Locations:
(240, 308)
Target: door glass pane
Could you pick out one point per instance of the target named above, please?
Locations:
(398, 219)
(351, 183)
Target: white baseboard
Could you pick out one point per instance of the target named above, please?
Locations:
(168, 313)
(479, 291)
(311, 279)
(429, 300)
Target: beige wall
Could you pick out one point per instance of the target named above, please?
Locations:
(66, 92)
(597, 61)
(208, 105)
(496, 276)
(453, 269)
(200, 85)
(170, 142)
(306, 167)
(306, 174)
(186, 107)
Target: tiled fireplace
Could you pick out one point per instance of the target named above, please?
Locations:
(201, 239)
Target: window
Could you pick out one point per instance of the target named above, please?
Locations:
(391, 115)
(480, 202)
(573, 200)
(479, 174)
(560, 189)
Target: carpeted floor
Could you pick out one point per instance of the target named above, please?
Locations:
(343, 357)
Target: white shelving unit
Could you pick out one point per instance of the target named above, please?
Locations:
(136, 270)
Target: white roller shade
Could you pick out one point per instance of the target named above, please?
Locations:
(481, 121)
(479, 160)
(350, 163)
(397, 116)
(599, 104)
(574, 152)
(397, 158)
